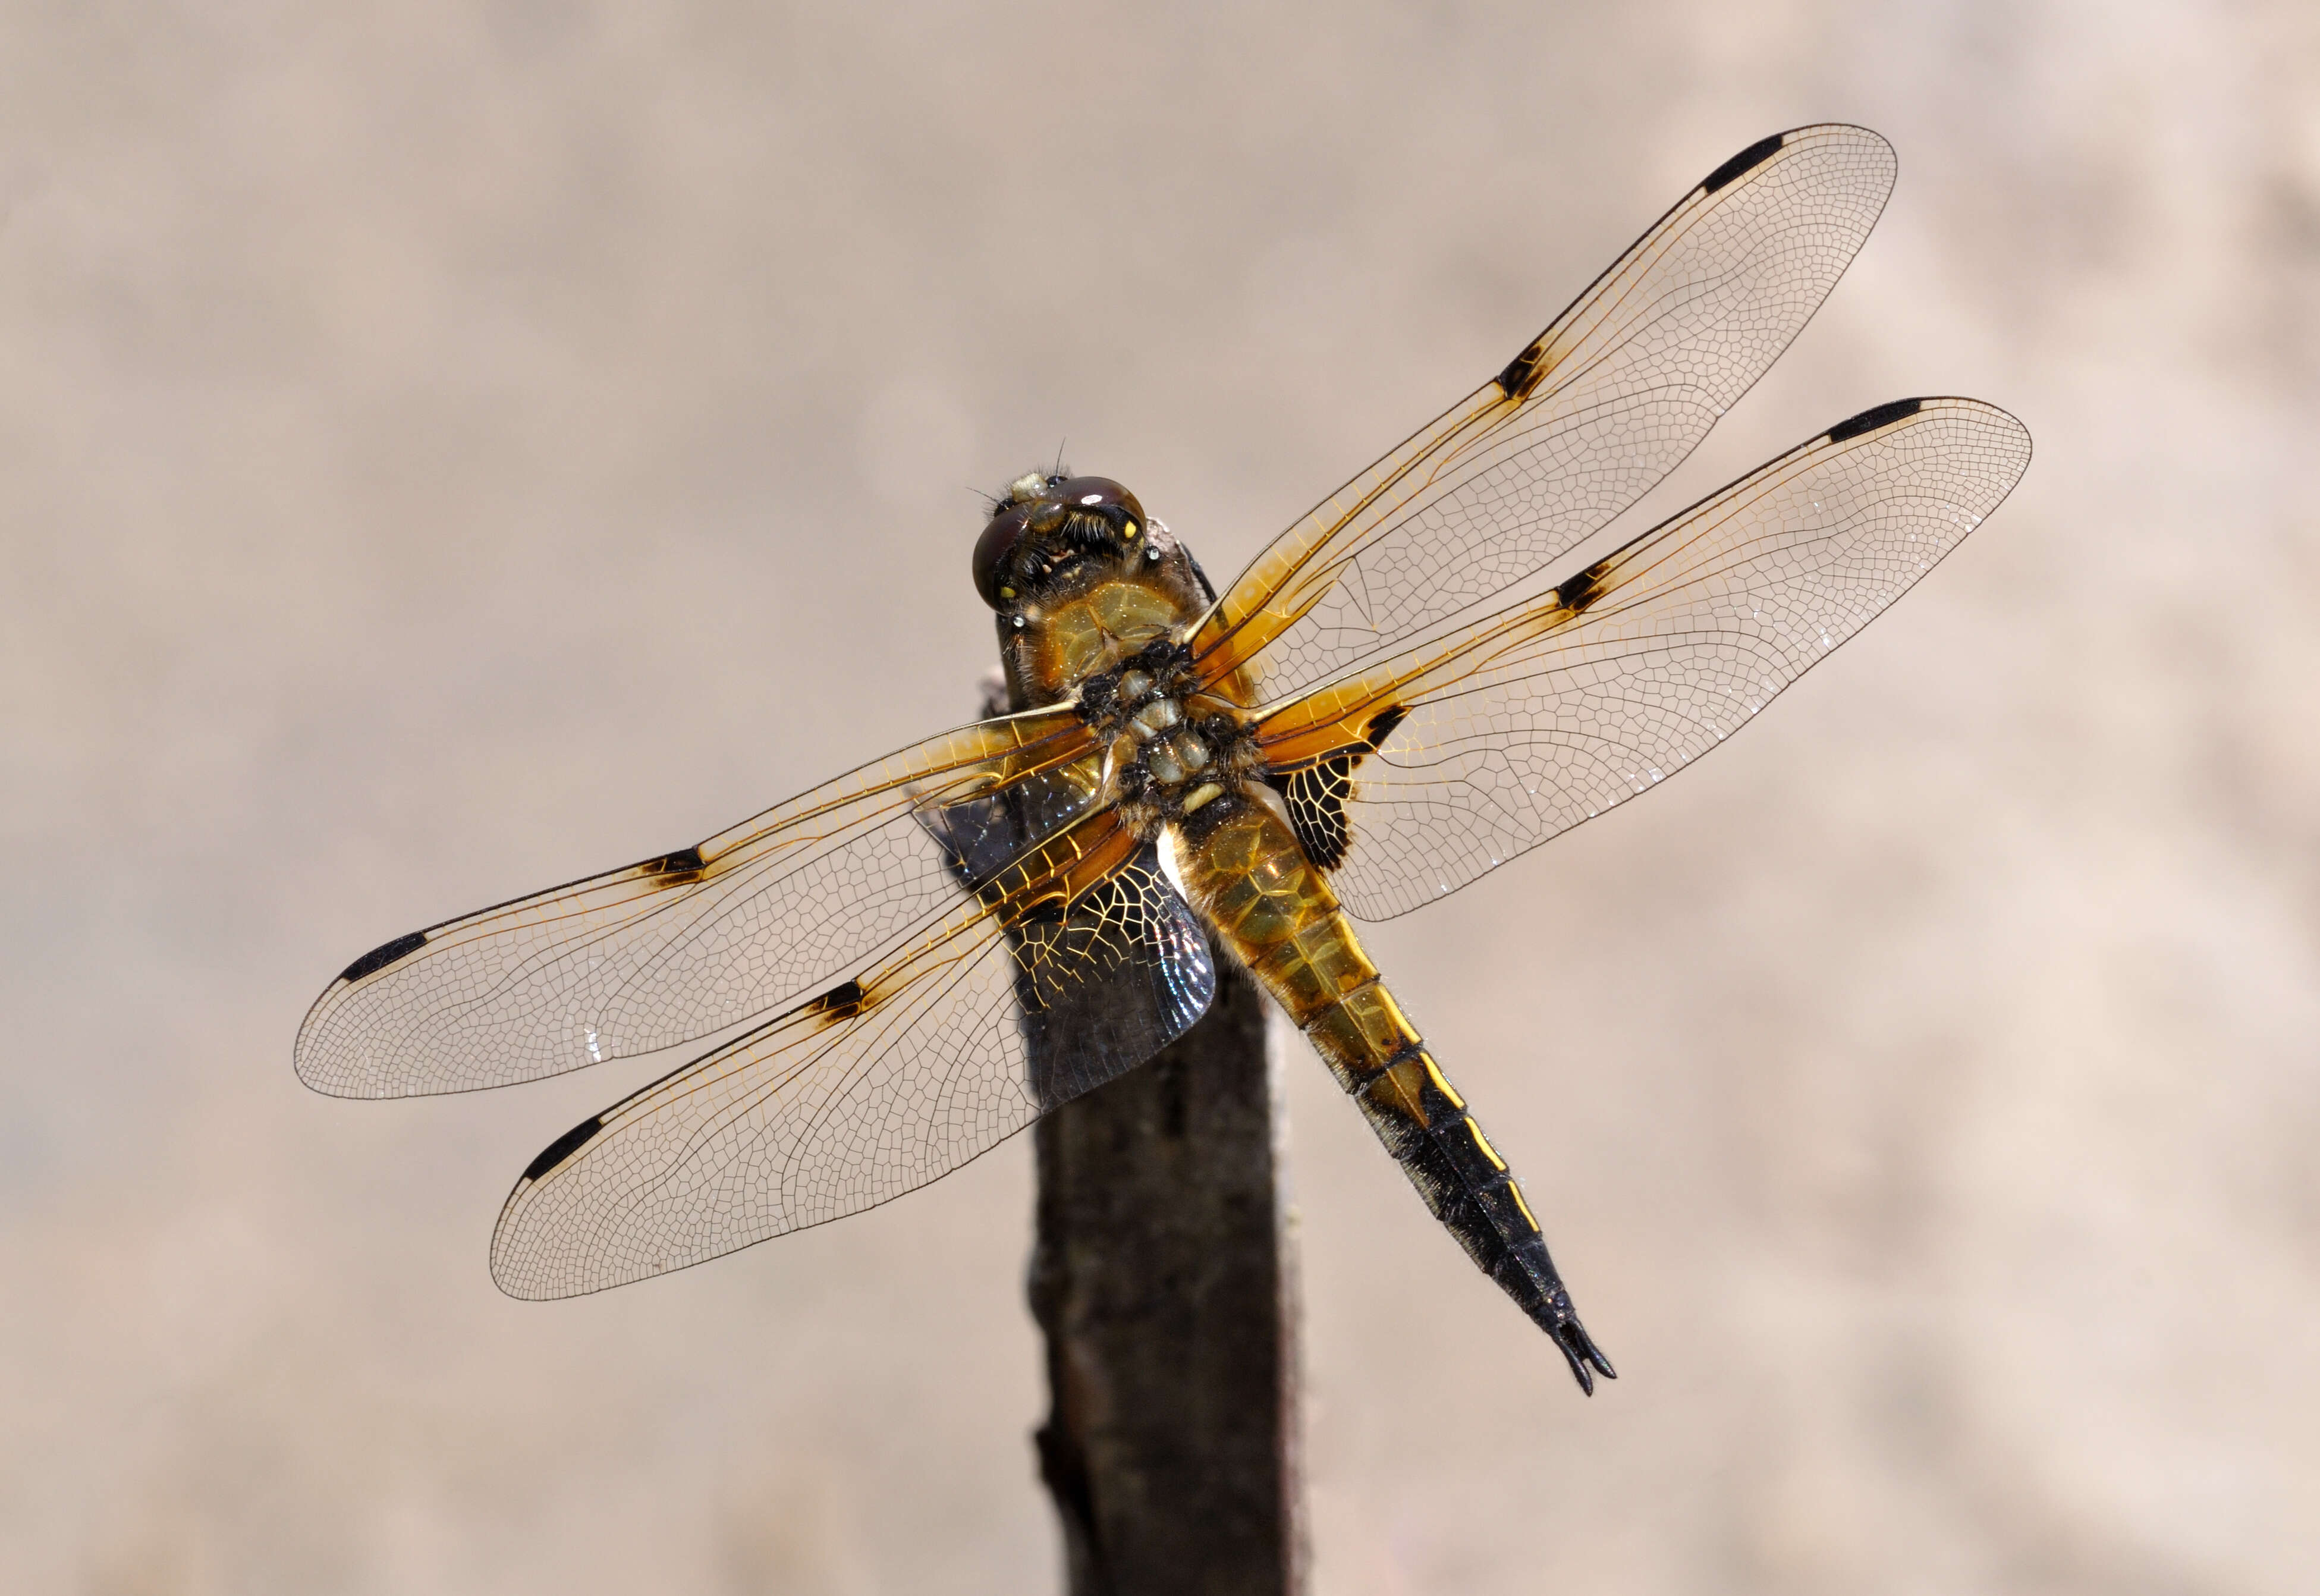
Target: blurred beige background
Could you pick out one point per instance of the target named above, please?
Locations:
(446, 448)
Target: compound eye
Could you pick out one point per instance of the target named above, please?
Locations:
(992, 554)
(1101, 494)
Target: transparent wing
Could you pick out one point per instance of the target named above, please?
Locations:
(1427, 771)
(1583, 422)
(681, 946)
(879, 1085)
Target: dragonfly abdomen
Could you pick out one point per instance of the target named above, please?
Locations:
(1275, 911)
(1441, 1146)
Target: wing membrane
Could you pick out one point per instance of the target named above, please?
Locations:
(879, 1085)
(1594, 412)
(1523, 725)
(684, 945)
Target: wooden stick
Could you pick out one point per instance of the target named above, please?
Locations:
(1163, 1278)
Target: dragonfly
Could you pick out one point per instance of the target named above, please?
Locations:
(889, 974)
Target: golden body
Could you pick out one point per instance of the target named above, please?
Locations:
(1238, 860)
(923, 955)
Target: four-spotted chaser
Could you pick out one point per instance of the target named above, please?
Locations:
(919, 958)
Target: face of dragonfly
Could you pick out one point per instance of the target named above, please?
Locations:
(1081, 578)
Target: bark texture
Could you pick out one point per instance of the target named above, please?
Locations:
(1164, 1284)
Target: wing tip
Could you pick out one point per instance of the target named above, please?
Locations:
(393, 951)
(1764, 150)
(514, 1266)
(312, 1078)
(1873, 418)
(310, 1069)
(1893, 410)
(511, 1273)
(563, 1147)
(1743, 163)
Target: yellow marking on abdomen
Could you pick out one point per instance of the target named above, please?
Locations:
(1516, 1189)
(1484, 1142)
(1433, 1074)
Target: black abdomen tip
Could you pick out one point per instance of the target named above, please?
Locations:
(1874, 417)
(384, 954)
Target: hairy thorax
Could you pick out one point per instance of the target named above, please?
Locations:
(1171, 749)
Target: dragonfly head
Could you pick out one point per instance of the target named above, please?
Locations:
(1044, 524)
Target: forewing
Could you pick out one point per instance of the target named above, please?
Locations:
(1592, 412)
(1433, 768)
(684, 945)
(879, 1085)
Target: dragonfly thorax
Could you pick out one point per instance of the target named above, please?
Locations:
(1174, 749)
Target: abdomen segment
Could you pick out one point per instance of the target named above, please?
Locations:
(1245, 871)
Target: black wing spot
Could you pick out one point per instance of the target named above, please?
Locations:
(1317, 794)
(1317, 798)
(564, 1147)
(1743, 163)
(384, 954)
(1382, 725)
(1524, 372)
(680, 868)
(840, 1004)
(1874, 417)
(1584, 588)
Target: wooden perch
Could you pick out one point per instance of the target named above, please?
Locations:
(1163, 1277)
(1163, 1280)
